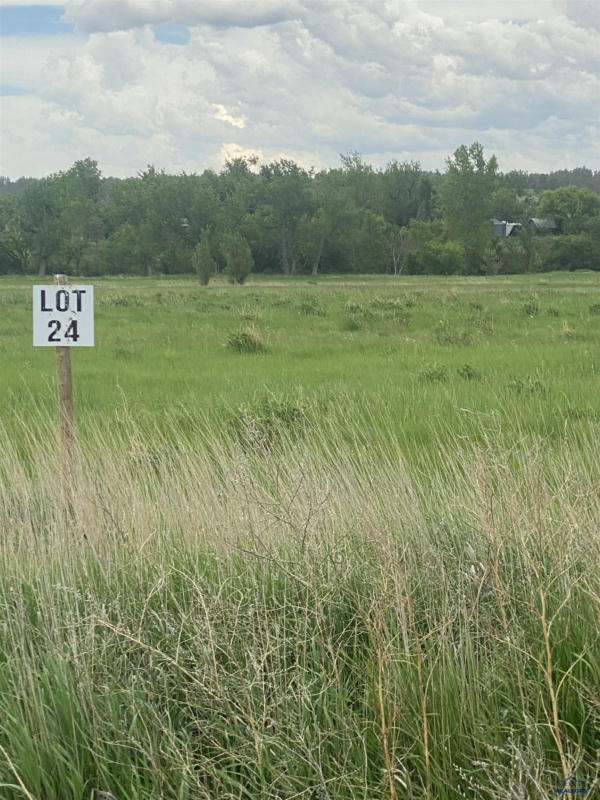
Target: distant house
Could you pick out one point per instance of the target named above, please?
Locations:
(540, 225)
(504, 228)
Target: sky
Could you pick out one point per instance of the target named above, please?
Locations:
(185, 85)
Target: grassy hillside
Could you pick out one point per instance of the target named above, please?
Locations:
(359, 562)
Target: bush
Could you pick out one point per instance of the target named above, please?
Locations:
(442, 258)
(238, 258)
(531, 307)
(521, 254)
(311, 304)
(246, 340)
(573, 252)
(267, 421)
(447, 335)
(352, 324)
(433, 374)
(202, 258)
(469, 372)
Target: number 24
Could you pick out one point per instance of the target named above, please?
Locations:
(70, 333)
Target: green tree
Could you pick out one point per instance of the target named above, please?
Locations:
(335, 217)
(571, 252)
(508, 205)
(81, 216)
(417, 236)
(202, 258)
(467, 202)
(572, 208)
(288, 202)
(369, 240)
(238, 256)
(363, 184)
(118, 253)
(13, 248)
(407, 193)
(42, 221)
(442, 258)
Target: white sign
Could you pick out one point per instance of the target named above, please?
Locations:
(63, 316)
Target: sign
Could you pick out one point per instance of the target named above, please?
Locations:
(63, 316)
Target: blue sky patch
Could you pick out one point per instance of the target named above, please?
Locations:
(172, 34)
(33, 21)
(12, 91)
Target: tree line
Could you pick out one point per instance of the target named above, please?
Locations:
(278, 217)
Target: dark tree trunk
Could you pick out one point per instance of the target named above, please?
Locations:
(42, 269)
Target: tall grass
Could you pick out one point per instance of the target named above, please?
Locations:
(293, 610)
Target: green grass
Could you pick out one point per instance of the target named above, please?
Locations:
(360, 563)
(162, 346)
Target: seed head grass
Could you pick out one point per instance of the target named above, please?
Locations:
(319, 616)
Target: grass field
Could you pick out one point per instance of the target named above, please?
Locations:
(330, 539)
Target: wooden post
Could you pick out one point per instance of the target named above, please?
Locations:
(64, 385)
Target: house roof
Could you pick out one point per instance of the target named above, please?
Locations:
(504, 228)
(547, 223)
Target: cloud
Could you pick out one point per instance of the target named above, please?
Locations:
(583, 12)
(111, 15)
(306, 78)
(222, 114)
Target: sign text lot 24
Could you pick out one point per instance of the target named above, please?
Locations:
(63, 316)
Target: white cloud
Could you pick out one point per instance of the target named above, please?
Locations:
(311, 79)
(583, 12)
(110, 15)
(221, 113)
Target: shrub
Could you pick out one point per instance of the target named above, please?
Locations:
(445, 334)
(469, 372)
(577, 251)
(202, 258)
(267, 421)
(311, 304)
(352, 324)
(531, 307)
(433, 373)
(447, 258)
(594, 308)
(246, 340)
(238, 258)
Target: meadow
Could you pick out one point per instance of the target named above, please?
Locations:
(332, 538)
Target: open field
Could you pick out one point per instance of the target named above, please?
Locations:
(436, 351)
(360, 562)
